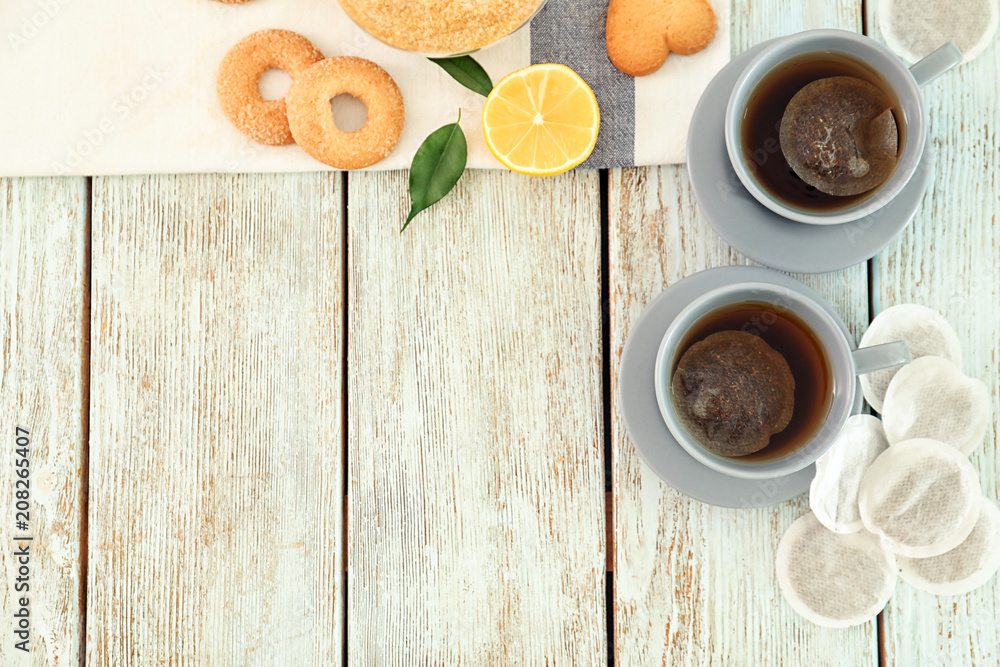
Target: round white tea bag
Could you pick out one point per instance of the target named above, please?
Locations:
(832, 579)
(833, 494)
(914, 28)
(966, 567)
(932, 398)
(924, 330)
(921, 496)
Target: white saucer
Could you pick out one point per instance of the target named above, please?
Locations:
(763, 235)
(641, 414)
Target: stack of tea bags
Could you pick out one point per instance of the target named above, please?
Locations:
(897, 494)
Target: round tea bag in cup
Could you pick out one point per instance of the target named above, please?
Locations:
(932, 398)
(921, 496)
(831, 579)
(838, 135)
(833, 494)
(966, 567)
(733, 391)
(914, 28)
(924, 330)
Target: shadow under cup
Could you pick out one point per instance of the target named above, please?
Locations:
(818, 354)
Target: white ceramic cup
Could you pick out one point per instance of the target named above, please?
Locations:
(845, 360)
(905, 83)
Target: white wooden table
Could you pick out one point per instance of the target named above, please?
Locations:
(267, 429)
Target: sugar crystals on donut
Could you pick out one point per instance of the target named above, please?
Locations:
(304, 115)
(311, 119)
(239, 78)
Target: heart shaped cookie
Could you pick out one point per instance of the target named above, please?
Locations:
(641, 33)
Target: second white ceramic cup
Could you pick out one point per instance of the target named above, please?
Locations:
(845, 360)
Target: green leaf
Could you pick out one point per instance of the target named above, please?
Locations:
(436, 168)
(467, 72)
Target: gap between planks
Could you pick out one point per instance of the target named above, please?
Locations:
(344, 392)
(85, 416)
(880, 619)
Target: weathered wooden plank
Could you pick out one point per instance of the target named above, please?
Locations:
(216, 483)
(43, 231)
(947, 259)
(476, 532)
(695, 584)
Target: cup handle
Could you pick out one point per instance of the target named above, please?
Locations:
(880, 357)
(936, 63)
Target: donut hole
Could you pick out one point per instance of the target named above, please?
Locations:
(349, 113)
(274, 84)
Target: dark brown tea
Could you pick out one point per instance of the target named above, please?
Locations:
(762, 123)
(788, 335)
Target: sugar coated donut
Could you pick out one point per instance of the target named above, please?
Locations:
(239, 77)
(311, 119)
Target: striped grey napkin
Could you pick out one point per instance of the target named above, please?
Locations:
(644, 120)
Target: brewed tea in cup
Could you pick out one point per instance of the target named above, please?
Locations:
(736, 393)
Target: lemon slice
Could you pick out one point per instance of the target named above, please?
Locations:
(541, 120)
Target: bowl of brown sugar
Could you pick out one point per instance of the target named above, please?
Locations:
(440, 27)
